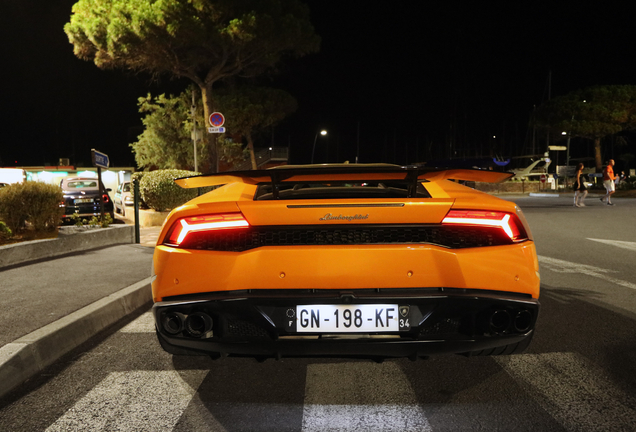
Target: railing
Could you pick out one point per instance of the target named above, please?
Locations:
(263, 156)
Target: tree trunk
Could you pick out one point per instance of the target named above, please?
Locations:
(597, 155)
(250, 146)
(212, 165)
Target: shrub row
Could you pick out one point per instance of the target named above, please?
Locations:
(159, 191)
(34, 202)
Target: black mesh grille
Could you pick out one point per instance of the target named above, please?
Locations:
(244, 239)
(236, 327)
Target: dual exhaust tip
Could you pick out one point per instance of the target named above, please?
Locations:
(503, 320)
(197, 324)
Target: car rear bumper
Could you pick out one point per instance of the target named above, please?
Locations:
(254, 324)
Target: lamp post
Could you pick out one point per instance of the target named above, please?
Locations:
(313, 150)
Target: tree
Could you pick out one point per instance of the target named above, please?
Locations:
(166, 141)
(593, 113)
(251, 109)
(203, 40)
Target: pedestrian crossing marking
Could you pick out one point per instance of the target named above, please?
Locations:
(385, 400)
(133, 401)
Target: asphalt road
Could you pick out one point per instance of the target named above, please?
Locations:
(579, 374)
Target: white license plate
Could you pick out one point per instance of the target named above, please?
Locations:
(350, 318)
(83, 200)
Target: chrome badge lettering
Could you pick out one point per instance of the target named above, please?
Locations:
(331, 217)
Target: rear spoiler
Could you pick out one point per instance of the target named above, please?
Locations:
(342, 172)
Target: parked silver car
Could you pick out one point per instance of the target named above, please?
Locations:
(123, 198)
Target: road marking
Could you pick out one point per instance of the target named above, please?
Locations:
(561, 266)
(621, 244)
(574, 391)
(360, 396)
(135, 400)
(144, 324)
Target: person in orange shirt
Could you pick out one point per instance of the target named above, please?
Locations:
(608, 182)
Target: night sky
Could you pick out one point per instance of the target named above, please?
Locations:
(418, 79)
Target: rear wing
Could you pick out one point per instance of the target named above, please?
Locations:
(343, 172)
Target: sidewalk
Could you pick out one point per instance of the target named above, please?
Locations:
(52, 305)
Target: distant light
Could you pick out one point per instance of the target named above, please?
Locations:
(323, 132)
(87, 174)
(270, 149)
(494, 136)
(564, 133)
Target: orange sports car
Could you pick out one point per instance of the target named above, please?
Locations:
(365, 261)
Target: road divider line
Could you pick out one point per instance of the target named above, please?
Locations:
(561, 266)
(360, 396)
(618, 243)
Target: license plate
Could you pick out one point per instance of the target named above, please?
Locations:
(83, 200)
(348, 318)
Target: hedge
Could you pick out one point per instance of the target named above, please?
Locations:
(34, 202)
(159, 191)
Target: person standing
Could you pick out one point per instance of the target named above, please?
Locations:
(608, 182)
(580, 191)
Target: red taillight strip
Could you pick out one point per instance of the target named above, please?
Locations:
(185, 226)
(485, 218)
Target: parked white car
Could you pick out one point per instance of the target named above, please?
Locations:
(123, 198)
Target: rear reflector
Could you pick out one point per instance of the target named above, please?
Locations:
(185, 226)
(508, 222)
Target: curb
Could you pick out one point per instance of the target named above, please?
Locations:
(65, 243)
(30, 354)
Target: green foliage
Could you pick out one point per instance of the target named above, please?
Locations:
(5, 231)
(35, 202)
(593, 113)
(202, 40)
(166, 141)
(250, 110)
(97, 221)
(161, 193)
(232, 152)
(77, 220)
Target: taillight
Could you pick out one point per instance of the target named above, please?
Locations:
(185, 226)
(508, 222)
(105, 198)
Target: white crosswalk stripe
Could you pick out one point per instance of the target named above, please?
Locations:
(384, 399)
(575, 392)
(133, 401)
(144, 324)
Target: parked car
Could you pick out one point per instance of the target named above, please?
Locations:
(123, 198)
(83, 196)
(366, 261)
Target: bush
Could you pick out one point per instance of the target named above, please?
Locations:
(161, 193)
(138, 176)
(5, 232)
(35, 202)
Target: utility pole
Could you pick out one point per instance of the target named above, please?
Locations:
(193, 114)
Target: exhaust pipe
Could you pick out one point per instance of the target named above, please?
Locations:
(522, 321)
(500, 321)
(172, 322)
(198, 324)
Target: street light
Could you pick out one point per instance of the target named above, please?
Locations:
(313, 150)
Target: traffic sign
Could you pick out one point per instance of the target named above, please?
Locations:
(99, 159)
(216, 130)
(216, 119)
(542, 178)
